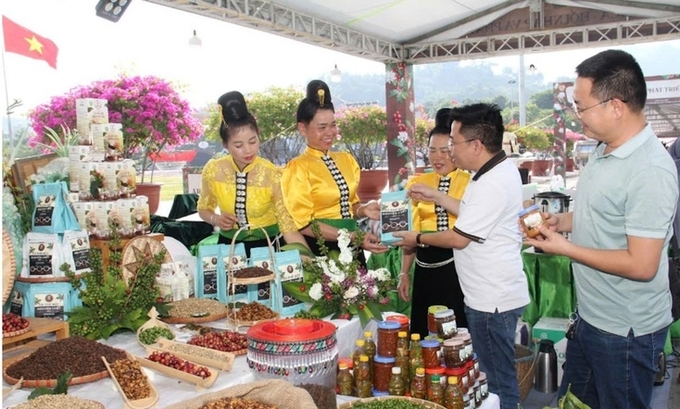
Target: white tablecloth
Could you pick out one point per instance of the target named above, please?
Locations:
(171, 390)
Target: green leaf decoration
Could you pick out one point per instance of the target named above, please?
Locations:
(375, 310)
(304, 251)
(293, 288)
(62, 383)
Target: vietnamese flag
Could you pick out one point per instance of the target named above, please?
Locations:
(20, 40)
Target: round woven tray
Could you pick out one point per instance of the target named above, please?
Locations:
(83, 401)
(424, 403)
(9, 266)
(141, 247)
(16, 333)
(195, 320)
(238, 323)
(51, 383)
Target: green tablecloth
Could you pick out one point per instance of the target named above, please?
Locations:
(551, 286)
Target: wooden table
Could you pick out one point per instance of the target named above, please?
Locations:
(39, 326)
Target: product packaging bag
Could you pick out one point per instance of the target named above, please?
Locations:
(288, 268)
(76, 250)
(42, 256)
(210, 273)
(395, 215)
(261, 257)
(234, 262)
(52, 213)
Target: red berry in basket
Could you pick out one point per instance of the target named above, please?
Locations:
(12, 322)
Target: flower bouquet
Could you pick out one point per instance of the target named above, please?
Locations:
(336, 283)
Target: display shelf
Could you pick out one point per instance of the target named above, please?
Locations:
(39, 326)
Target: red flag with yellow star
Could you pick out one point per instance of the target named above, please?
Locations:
(20, 40)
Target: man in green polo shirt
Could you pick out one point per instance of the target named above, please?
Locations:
(621, 227)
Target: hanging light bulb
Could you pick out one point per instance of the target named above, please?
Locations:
(194, 41)
(336, 75)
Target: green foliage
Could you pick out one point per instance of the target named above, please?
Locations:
(544, 99)
(59, 142)
(109, 305)
(533, 138)
(364, 132)
(422, 135)
(60, 389)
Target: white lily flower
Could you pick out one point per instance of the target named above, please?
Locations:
(351, 293)
(316, 291)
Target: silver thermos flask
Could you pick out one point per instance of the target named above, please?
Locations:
(546, 367)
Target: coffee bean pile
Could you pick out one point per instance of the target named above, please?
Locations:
(79, 355)
(187, 307)
(252, 272)
(237, 403)
(254, 312)
(59, 402)
(131, 379)
(323, 396)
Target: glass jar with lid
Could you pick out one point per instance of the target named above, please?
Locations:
(467, 339)
(430, 353)
(388, 335)
(445, 322)
(403, 321)
(531, 220)
(431, 310)
(382, 372)
(454, 353)
(483, 385)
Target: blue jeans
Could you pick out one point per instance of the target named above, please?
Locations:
(493, 337)
(610, 371)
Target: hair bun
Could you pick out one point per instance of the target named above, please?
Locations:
(233, 106)
(443, 118)
(318, 92)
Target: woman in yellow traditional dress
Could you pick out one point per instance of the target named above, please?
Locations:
(245, 187)
(435, 281)
(321, 185)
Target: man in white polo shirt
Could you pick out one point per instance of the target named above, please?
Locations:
(487, 242)
(621, 227)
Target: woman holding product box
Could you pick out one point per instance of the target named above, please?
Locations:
(321, 185)
(245, 187)
(435, 281)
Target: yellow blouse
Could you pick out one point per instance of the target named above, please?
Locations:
(264, 200)
(311, 193)
(424, 216)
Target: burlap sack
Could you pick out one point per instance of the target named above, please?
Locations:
(274, 392)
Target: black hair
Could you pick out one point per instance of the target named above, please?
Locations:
(615, 74)
(234, 114)
(442, 123)
(318, 97)
(483, 122)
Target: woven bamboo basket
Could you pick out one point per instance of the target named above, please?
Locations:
(424, 403)
(525, 364)
(9, 266)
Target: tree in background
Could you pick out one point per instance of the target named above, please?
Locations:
(363, 131)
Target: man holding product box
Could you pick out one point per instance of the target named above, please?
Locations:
(486, 240)
(621, 227)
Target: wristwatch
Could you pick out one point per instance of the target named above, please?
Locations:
(421, 245)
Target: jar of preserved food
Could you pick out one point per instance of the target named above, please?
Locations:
(369, 349)
(430, 353)
(396, 385)
(462, 376)
(466, 401)
(382, 372)
(404, 323)
(477, 394)
(388, 334)
(350, 364)
(446, 324)
(432, 309)
(419, 385)
(467, 339)
(454, 353)
(440, 371)
(345, 380)
(475, 364)
(435, 393)
(483, 385)
(415, 356)
(402, 344)
(453, 396)
(531, 220)
(471, 372)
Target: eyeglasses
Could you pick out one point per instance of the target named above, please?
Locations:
(452, 143)
(579, 112)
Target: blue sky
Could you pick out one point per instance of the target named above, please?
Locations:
(152, 39)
